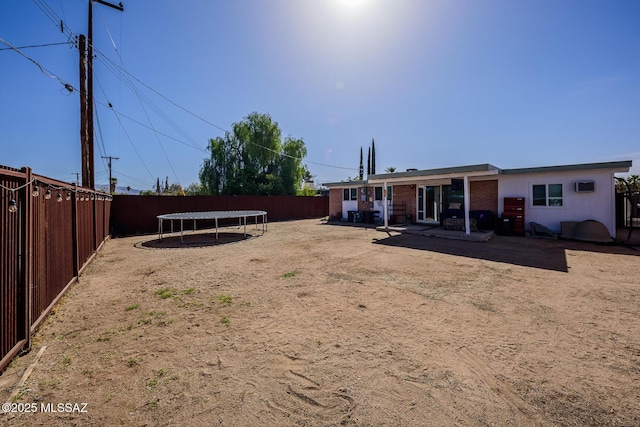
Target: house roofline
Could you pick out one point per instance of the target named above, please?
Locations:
(484, 169)
(622, 166)
(358, 183)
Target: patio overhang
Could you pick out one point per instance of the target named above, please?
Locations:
(415, 176)
(466, 173)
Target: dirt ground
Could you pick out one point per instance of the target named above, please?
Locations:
(314, 324)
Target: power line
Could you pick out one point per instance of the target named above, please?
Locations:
(53, 17)
(101, 147)
(44, 71)
(140, 99)
(37, 45)
(124, 76)
(216, 126)
(134, 146)
(150, 128)
(143, 182)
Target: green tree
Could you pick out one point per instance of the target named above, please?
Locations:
(390, 169)
(194, 189)
(629, 183)
(290, 168)
(253, 159)
(361, 175)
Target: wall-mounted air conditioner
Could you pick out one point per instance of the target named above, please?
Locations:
(585, 186)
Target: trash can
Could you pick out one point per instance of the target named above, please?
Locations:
(505, 226)
(350, 215)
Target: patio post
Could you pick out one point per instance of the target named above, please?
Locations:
(467, 226)
(385, 206)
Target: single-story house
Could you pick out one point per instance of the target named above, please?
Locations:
(546, 195)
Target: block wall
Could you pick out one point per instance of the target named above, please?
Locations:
(406, 194)
(484, 196)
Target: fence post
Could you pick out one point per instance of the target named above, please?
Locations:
(94, 204)
(74, 220)
(27, 243)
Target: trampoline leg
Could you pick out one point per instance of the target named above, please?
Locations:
(181, 230)
(160, 229)
(216, 228)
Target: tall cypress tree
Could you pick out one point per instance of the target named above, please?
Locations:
(369, 162)
(361, 166)
(373, 157)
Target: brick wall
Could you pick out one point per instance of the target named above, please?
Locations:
(406, 194)
(484, 196)
(335, 202)
(364, 205)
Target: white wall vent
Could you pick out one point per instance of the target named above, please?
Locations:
(585, 187)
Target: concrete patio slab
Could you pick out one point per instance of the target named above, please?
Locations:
(435, 231)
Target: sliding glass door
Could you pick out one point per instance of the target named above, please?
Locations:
(429, 203)
(432, 203)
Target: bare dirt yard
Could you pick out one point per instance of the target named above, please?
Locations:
(313, 324)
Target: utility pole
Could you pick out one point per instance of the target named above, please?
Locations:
(77, 174)
(111, 186)
(88, 176)
(85, 147)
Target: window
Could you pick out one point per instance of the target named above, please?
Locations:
(555, 194)
(547, 195)
(350, 194)
(378, 193)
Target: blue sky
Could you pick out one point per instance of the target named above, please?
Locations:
(436, 83)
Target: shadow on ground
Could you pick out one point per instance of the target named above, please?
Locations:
(198, 240)
(527, 252)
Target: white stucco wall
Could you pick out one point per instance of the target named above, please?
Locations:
(348, 205)
(599, 205)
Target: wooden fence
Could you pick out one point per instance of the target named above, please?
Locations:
(50, 230)
(138, 214)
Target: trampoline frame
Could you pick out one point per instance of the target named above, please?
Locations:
(215, 215)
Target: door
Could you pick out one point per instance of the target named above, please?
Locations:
(432, 203)
(429, 203)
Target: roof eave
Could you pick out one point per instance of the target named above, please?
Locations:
(341, 184)
(619, 166)
(471, 170)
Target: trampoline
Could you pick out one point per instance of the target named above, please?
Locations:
(211, 215)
